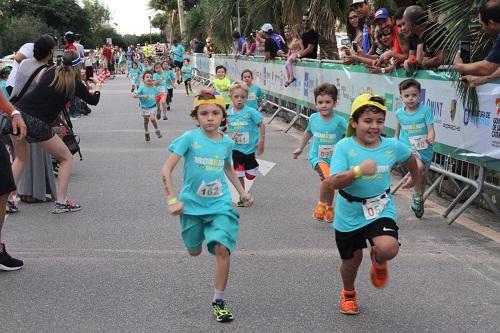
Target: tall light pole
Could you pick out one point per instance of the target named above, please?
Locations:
(150, 38)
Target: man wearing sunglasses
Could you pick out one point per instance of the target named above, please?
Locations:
(310, 39)
(386, 24)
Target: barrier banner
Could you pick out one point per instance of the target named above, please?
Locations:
(473, 139)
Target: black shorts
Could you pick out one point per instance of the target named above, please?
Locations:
(7, 183)
(178, 64)
(348, 242)
(111, 66)
(170, 95)
(187, 81)
(244, 162)
(37, 130)
(89, 72)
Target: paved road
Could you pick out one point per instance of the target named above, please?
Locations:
(119, 264)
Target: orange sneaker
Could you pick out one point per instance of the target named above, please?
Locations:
(348, 304)
(329, 214)
(319, 211)
(379, 273)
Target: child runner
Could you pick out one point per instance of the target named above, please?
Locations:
(147, 94)
(169, 77)
(255, 95)
(161, 87)
(222, 84)
(247, 130)
(415, 128)
(364, 209)
(187, 75)
(204, 204)
(326, 129)
(134, 76)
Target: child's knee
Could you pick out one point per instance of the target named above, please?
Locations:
(221, 250)
(388, 251)
(194, 252)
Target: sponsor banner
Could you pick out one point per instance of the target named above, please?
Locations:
(474, 139)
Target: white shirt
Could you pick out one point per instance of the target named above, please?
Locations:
(27, 51)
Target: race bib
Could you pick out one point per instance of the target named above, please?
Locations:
(210, 190)
(418, 142)
(241, 138)
(374, 206)
(161, 89)
(252, 96)
(325, 151)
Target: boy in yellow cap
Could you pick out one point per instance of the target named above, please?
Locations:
(204, 204)
(364, 208)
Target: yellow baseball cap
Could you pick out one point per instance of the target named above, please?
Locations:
(359, 102)
(218, 100)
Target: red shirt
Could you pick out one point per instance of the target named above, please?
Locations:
(107, 53)
(70, 47)
(395, 41)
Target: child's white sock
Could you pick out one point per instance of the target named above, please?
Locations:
(218, 294)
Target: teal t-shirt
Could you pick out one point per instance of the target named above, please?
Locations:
(243, 128)
(255, 95)
(148, 101)
(325, 134)
(161, 87)
(135, 75)
(187, 72)
(3, 89)
(205, 189)
(169, 77)
(348, 153)
(414, 129)
(178, 52)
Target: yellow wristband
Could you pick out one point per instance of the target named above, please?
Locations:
(172, 201)
(357, 171)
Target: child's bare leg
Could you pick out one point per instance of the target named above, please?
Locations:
(349, 269)
(146, 124)
(152, 118)
(222, 263)
(242, 181)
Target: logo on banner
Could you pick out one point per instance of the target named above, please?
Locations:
(306, 84)
(437, 109)
(453, 109)
(483, 118)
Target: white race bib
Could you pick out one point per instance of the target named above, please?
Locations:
(210, 190)
(374, 206)
(418, 142)
(241, 138)
(325, 151)
(161, 89)
(251, 96)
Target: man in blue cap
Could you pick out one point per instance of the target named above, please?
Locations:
(384, 21)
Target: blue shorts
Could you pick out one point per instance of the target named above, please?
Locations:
(218, 228)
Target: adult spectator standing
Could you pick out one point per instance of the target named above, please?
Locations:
(38, 178)
(354, 27)
(486, 70)
(69, 39)
(238, 43)
(425, 39)
(209, 48)
(107, 53)
(384, 21)
(198, 45)
(79, 47)
(365, 14)
(274, 44)
(310, 39)
(26, 51)
(250, 45)
(7, 184)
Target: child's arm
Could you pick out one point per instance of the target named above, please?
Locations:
(245, 197)
(303, 141)
(175, 207)
(262, 139)
(398, 130)
(431, 134)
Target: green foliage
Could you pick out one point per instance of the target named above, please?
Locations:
(20, 30)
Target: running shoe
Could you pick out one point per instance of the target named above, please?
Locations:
(7, 263)
(11, 207)
(240, 204)
(68, 206)
(146, 136)
(379, 274)
(329, 214)
(165, 117)
(348, 304)
(221, 311)
(158, 133)
(417, 205)
(319, 211)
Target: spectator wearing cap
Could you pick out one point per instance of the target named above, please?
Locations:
(274, 44)
(365, 13)
(426, 39)
(69, 39)
(384, 21)
(310, 39)
(488, 69)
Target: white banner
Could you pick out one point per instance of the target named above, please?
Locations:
(474, 139)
